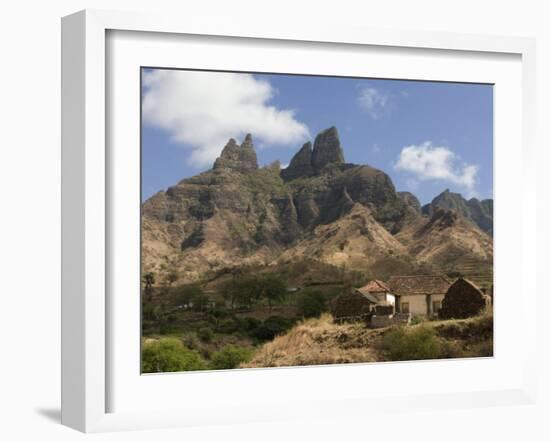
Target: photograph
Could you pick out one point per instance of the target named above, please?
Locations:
(302, 220)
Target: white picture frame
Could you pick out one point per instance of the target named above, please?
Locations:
(87, 204)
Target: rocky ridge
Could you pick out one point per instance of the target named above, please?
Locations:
(479, 212)
(319, 207)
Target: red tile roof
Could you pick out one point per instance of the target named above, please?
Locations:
(419, 285)
(375, 286)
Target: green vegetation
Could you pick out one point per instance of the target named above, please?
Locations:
(230, 356)
(312, 304)
(271, 327)
(239, 318)
(148, 281)
(169, 354)
(273, 288)
(173, 354)
(471, 337)
(421, 342)
(205, 334)
(418, 319)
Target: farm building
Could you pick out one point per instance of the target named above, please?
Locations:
(352, 305)
(463, 299)
(419, 294)
(380, 291)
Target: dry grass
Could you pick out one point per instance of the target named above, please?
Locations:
(319, 341)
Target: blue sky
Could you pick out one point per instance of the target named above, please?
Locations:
(427, 136)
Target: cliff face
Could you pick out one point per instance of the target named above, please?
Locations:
(239, 158)
(318, 207)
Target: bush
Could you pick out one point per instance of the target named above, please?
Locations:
(229, 357)
(169, 354)
(406, 345)
(191, 341)
(271, 327)
(418, 319)
(227, 326)
(251, 324)
(311, 304)
(205, 334)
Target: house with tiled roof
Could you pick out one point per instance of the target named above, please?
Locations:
(361, 303)
(379, 291)
(419, 295)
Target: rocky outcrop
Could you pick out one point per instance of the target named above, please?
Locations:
(239, 158)
(410, 200)
(327, 149)
(310, 161)
(478, 212)
(300, 165)
(317, 208)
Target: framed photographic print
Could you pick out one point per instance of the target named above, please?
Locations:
(256, 220)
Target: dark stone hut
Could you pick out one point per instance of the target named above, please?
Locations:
(352, 306)
(463, 300)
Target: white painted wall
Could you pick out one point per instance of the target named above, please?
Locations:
(417, 303)
(30, 216)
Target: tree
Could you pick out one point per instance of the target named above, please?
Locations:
(148, 281)
(228, 291)
(186, 294)
(273, 288)
(200, 301)
(312, 304)
(241, 290)
(246, 290)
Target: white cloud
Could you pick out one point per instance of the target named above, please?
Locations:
(375, 148)
(373, 102)
(428, 162)
(205, 109)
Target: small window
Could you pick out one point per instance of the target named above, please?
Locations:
(436, 307)
(405, 307)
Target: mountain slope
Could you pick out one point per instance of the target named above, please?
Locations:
(320, 207)
(479, 212)
(450, 242)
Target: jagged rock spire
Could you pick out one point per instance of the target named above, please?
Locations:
(300, 165)
(240, 158)
(308, 159)
(327, 149)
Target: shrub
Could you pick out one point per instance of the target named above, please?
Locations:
(227, 326)
(230, 356)
(271, 327)
(169, 354)
(418, 319)
(191, 341)
(481, 349)
(251, 323)
(405, 345)
(311, 304)
(205, 334)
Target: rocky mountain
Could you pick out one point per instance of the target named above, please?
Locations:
(449, 241)
(479, 212)
(320, 207)
(411, 200)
